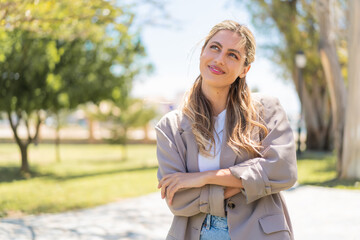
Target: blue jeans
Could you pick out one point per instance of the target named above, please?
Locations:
(214, 228)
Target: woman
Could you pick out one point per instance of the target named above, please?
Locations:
(227, 154)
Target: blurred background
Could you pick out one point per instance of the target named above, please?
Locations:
(83, 83)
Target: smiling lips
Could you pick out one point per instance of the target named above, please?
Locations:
(216, 70)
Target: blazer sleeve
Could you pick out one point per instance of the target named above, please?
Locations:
(276, 169)
(186, 202)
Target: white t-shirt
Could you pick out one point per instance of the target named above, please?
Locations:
(213, 162)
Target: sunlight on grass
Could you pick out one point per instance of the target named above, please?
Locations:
(315, 168)
(88, 175)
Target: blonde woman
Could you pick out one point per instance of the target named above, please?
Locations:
(225, 157)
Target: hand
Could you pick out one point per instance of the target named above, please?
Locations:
(172, 183)
(231, 191)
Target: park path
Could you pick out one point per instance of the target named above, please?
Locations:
(317, 213)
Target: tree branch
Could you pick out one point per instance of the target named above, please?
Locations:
(28, 128)
(37, 125)
(14, 128)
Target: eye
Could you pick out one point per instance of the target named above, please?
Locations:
(215, 47)
(233, 55)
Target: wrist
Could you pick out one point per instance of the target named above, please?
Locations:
(212, 177)
(223, 177)
(209, 177)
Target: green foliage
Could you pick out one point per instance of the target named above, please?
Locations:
(291, 26)
(54, 58)
(121, 116)
(64, 19)
(88, 175)
(24, 73)
(295, 26)
(62, 58)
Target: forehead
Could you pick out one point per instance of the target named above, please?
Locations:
(229, 39)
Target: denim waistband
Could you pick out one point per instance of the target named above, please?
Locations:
(215, 221)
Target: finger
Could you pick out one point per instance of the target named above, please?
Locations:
(165, 184)
(161, 182)
(169, 197)
(165, 179)
(163, 191)
(172, 189)
(167, 193)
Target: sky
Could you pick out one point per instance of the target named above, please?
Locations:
(174, 51)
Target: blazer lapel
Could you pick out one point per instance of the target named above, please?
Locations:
(192, 150)
(227, 155)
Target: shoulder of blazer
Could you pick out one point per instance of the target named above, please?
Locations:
(174, 120)
(264, 100)
(265, 104)
(267, 107)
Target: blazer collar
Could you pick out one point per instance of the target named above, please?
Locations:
(227, 155)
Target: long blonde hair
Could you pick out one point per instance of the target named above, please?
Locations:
(243, 122)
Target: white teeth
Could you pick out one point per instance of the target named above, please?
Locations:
(216, 70)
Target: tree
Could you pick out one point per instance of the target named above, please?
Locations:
(58, 18)
(121, 116)
(57, 121)
(351, 153)
(332, 69)
(24, 67)
(295, 24)
(47, 64)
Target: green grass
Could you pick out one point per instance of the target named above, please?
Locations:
(88, 175)
(319, 169)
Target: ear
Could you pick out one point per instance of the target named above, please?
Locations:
(245, 71)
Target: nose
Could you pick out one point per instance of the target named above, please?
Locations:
(220, 59)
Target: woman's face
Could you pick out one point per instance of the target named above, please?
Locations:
(222, 60)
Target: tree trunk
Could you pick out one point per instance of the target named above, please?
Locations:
(351, 153)
(91, 129)
(38, 137)
(23, 145)
(124, 146)
(24, 159)
(290, 18)
(318, 119)
(315, 99)
(316, 114)
(57, 139)
(334, 79)
(24, 169)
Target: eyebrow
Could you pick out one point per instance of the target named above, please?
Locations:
(231, 49)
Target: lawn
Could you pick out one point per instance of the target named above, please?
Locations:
(88, 175)
(319, 168)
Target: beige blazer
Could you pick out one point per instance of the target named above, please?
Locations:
(259, 212)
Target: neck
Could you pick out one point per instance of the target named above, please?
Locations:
(217, 98)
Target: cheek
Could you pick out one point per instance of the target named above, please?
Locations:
(203, 60)
(204, 57)
(238, 69)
